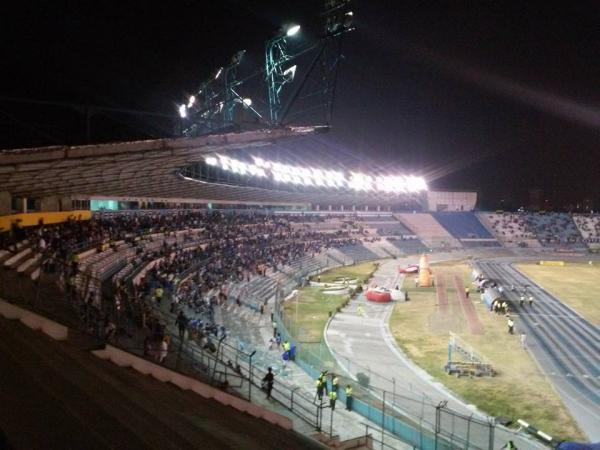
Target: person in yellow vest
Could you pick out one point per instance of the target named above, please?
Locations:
(334, 382)
(467, 291)
(332, 399)
(359, 310)
(320, 387)
(348, 392)
(158, 294)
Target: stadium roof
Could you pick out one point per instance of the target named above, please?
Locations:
(148, 169)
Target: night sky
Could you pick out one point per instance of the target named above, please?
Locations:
(499, 97)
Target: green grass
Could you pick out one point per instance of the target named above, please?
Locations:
(519, 390)
(362, 271)
(574, 284)
(306, 318)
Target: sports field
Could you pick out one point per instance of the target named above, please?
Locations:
(575, 284)
(519, 390)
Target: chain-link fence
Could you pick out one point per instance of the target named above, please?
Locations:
(398, 407)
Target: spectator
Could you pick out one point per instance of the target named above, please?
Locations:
(268, 381)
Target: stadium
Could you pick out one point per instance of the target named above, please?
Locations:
(244, 282)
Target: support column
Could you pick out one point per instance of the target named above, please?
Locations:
(5, 203)
(49, 204)
(66, 204)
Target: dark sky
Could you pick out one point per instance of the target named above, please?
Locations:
(495, 96)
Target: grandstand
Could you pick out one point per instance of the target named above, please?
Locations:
(429, 231)
(510, 229)
(589, 227)
(535, 230)
(224, 260)
(467, 228)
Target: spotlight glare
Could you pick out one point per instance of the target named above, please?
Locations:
(291, 31)
(182, 111)
(191, 101)
(218, 74)
(247, 102)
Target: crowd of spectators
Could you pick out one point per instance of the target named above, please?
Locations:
(225, 248)
(589, 226)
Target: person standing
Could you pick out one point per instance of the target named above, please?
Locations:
(523, 340)
(531, 301)
(320, 387)
(268, 381)
(332, 399)
(181, 321)
(164, 351)
(467, 291)
(348, 392)
(334, 382)
(511, 325)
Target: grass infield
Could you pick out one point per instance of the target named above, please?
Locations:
(518, 391)
(575, 284)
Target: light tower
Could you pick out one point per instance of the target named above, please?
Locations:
(276, 55)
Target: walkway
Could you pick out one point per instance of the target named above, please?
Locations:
(250, 330)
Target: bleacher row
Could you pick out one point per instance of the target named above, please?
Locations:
(405, 234)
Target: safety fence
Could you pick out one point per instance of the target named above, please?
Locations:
(398, 407)
(400, 412)
(224, 365)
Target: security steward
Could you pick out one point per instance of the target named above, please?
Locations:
(348, 392)
(334, 383)
(332, 399)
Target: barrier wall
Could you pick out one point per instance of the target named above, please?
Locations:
(34, 321)
(124, 359)
(32, 219)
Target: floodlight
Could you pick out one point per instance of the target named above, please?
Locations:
(182, 111)
(191, 101)
(211, 161)
(292, 30)
(290, 72)
(247, 102)
(218, 74)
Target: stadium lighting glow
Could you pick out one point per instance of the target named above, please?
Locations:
(310, 176)
(247, 102)
(291, 31)
(191, 101)
(182, 111)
